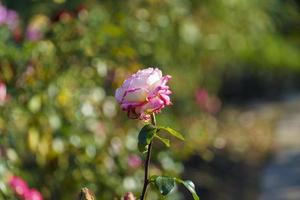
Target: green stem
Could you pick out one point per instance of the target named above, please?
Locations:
(147, 162)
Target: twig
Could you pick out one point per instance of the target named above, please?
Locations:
(147, 162)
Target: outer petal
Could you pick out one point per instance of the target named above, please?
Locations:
(139, 82)
(143, 72)
(166, 99)
(152, 106)
(154, 77)
(135, 95)
(119, 94)
(161, 82)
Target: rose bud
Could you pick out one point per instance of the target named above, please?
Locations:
(128, 196)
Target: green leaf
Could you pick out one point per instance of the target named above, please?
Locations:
(172, 132)
(145, 137)
(152, 178)
(190, 186)
(164, 184)
(163, 140)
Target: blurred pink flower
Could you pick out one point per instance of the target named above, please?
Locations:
(37, 27)
(202, 96)
(129, 196)
(33, 194)
(3, 94)
(33, 34)
(208, 103)
(12, 19)
(9, 17)
(19, 186)
(134, 161)
(3, 13)
(144, 93)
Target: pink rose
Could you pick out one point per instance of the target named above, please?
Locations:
(144, 93)
(33, 194)
(19, 186)
(134, 161)
(2, 93)
(12, 19)
(210, 104)
(33, 34)
(9, 17)
(129, 196)
(3, 13)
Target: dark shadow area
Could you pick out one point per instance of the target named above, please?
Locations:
(282, 177)
(250, 85)
(224, 178)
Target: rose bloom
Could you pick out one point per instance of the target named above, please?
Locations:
(33, 34)
(2, 93)
(144, 93)
(210, 104)
(19, 186)
(33, 194)
(12, 19)
(134, 161)
(3, 13)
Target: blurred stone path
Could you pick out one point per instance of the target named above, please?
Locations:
(281, 178)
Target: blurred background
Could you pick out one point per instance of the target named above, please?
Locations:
(236, 82)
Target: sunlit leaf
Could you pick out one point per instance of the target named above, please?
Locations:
(145, 137)
(190, 186)
(163, 140)
(172, 132)
(164, 184)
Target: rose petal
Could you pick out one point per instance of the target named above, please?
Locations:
(166, 99)
(153, 105)
(135, 95)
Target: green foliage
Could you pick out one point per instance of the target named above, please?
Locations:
(190, 186)
(148, 132)
(146, 135)
(163, 140)
(171, 132)
(164, 184)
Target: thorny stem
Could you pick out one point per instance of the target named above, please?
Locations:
(147, 162)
